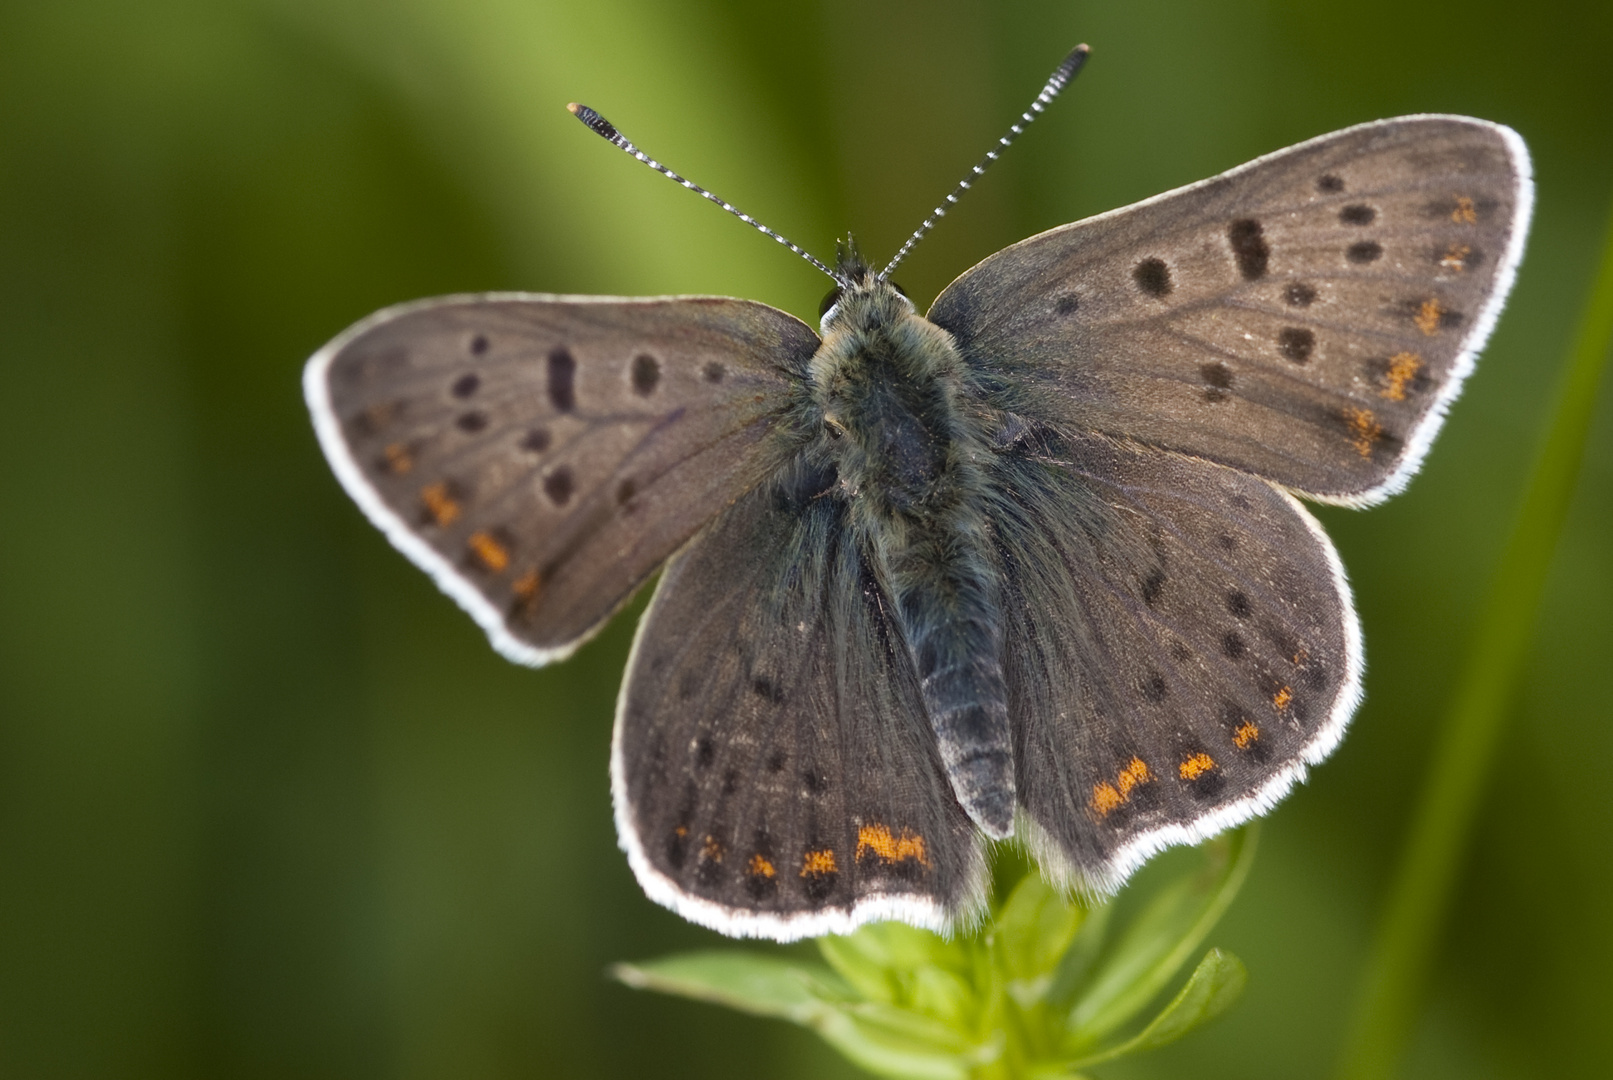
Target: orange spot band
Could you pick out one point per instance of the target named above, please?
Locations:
(1403, 367)
(891, 847)
(1427, 317)
(1364, 430)
(493, 555)
(442, 507)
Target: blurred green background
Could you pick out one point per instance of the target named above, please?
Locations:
(271, 807)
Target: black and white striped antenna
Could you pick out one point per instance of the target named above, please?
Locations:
(607, 131)
(1055, 83)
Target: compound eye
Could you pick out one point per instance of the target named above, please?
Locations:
(829, 301)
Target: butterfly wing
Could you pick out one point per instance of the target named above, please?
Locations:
(1179, 645)
(541, 456)
(1306, 317)
(772, 768)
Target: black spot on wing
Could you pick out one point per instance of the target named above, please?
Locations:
(1299, 294)
(562, 380)
(559, 485)
(466, 385)
(768, 690)
(1358, 214)
(646, 374)
(1296, 343)
(1364, 252)
(537, 440)
(1153, 585)
(1152, 277)
(1249, 247)
(1330, 184)
(471, 422)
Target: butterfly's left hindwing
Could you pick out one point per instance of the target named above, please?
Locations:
(1306, 317)
(773, 770)
(541, 456)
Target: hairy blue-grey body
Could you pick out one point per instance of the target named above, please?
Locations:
(909, 446)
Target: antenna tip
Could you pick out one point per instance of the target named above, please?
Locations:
(596, 123)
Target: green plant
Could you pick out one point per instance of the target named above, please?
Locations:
(1046, 987)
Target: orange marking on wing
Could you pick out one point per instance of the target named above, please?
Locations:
(891, 847)
(1427, 317)
(711, 850)
(1107, 796)
(1195, 766)
(439, 504)
(681, 830)
(818, 862)
(1133, 774)
(1247, 733)
(1456, 257)
(398, 458)
(1364, 430)
(1281, 698)
(493, 555)
(1403, 367)
(760, 867)
(1464, 214)
(527, 587)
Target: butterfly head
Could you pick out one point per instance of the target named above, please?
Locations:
(860, 295)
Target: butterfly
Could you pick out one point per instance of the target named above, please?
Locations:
(1030, 565)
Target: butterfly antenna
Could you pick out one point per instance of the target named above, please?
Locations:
(607, 131)
(1056, 82)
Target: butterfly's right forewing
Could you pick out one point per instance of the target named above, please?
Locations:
(541, 456)
(1306, 317)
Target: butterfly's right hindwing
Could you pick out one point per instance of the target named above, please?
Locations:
(1179, 645)
(772, 768)
(541, 456)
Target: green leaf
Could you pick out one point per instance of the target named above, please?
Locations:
(1212, 988)
(748, 981)
(1033, 932)
(880, 959)
(1160, 940)
(879, 1037)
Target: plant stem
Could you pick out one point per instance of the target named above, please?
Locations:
(1390, 998)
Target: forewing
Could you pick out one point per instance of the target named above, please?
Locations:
(772, 768)
(1306, 317)
(541, 456)
(1179, 645)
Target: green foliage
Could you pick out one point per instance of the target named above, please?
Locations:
(1039, 991)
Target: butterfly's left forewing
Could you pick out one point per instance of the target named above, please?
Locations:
(1306, 317)
(541, 456)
